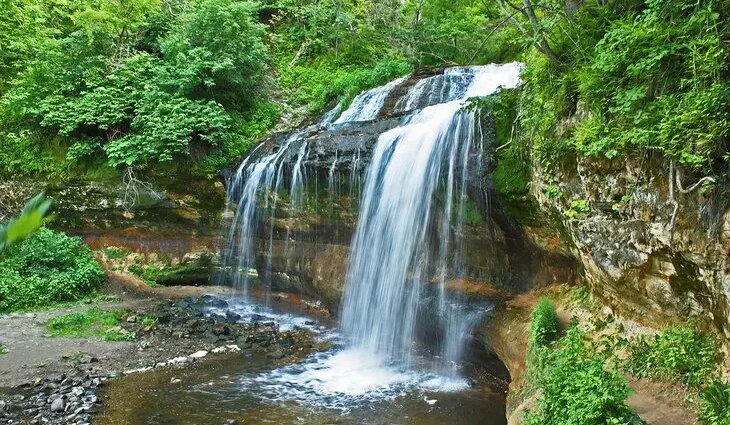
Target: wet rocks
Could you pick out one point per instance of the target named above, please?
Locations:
(56, 399)
(213, 301)
(58, 405)
(220, 329)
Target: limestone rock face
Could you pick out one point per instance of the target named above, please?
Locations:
(171, 225)
(632, 257)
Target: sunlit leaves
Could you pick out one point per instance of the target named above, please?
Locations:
(32, 217)
(140, 104)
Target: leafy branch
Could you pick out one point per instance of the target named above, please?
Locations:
(33, 216)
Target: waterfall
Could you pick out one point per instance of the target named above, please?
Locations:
(253, 179)
(411, 185)
(390, 256)
(368, 104)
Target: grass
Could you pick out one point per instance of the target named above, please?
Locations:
(680, 354)
(715, 404)
(145, 273)
(93, 323)
(149, 321)
(545, 323)
(114, 253)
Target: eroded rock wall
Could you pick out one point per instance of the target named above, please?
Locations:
(632, 257)
(155, 223)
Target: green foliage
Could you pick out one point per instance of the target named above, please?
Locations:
(579, 387)
(678, 353)
(246, 129)
(635, 77)
(3, 348)
(135, 83)
(94, 322)
(33, 216)
(578, 208)
(47, 268)
(149, 321)
(325, 79)
(146, 272)
(118, 333)
(117, 83)
(24, 153)
(114, 253)
(336, 48)
(513, 172)
(553, 192)
(545, 323)
(715, 404)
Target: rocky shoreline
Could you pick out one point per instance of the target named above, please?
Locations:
(187, 331)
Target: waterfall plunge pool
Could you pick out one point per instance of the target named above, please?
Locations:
(336, 386)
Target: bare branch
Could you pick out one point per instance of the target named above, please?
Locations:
(132, 187)
(676, 178)
(511, 17)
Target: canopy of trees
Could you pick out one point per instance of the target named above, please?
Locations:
(109, 84)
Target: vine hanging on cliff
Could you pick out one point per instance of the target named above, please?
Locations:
(675, 177)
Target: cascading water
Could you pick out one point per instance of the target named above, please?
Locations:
(368, 104)
(252, 180)
(414, 187)
(389, 261)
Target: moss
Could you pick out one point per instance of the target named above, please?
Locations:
(171, 275)
(525, 211)
(114, 253)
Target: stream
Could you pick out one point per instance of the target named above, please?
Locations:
(335, 386)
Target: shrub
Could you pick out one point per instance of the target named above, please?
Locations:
(47, 268)
(580, 388)
(715, 404)
(545, 323)
(317, 83)
(678, 353)
(578, 208)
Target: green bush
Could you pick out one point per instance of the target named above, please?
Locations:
(47, 268)
(132, 86)
(715, 404)
(545, 323)
(678, 353)
(23, 153)
(319, 82)
(578, 387)
(635, 79)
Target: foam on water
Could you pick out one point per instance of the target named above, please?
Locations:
(340, 379)
(344, 380)
(253, 312)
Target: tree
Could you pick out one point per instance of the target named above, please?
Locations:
(536, 34)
